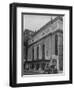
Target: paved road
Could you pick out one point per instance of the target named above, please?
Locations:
(31, 72)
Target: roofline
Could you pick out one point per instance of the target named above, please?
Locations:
(50, 22)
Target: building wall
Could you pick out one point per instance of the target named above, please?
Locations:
(53, 44)
(49, 28)
(60, 49)
(30, 53)
(49, 43)
(47, 37)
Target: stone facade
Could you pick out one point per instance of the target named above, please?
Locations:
(45, 48)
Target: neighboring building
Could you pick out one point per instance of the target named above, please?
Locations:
(45, 48)
(27, 35)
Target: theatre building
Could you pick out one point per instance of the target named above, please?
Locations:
(43, 52)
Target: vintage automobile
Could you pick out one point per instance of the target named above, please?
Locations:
(52, 67)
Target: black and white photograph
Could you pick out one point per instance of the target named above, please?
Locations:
(42, 44)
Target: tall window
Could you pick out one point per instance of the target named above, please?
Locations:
(56, 44)
(43, 51)
(37, 53)
(33, 54)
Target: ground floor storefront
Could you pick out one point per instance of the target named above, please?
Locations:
(41, 67)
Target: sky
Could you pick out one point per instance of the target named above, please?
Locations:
(35, 22)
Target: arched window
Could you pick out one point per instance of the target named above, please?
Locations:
(32, 53)
(56, 44)
(43, 51)
(37, 52)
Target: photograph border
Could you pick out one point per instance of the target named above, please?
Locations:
(22, 15)
(13, 44)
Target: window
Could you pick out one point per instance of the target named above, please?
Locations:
(56, 44)
(43, 51)
(33, 54)
(37, 53)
